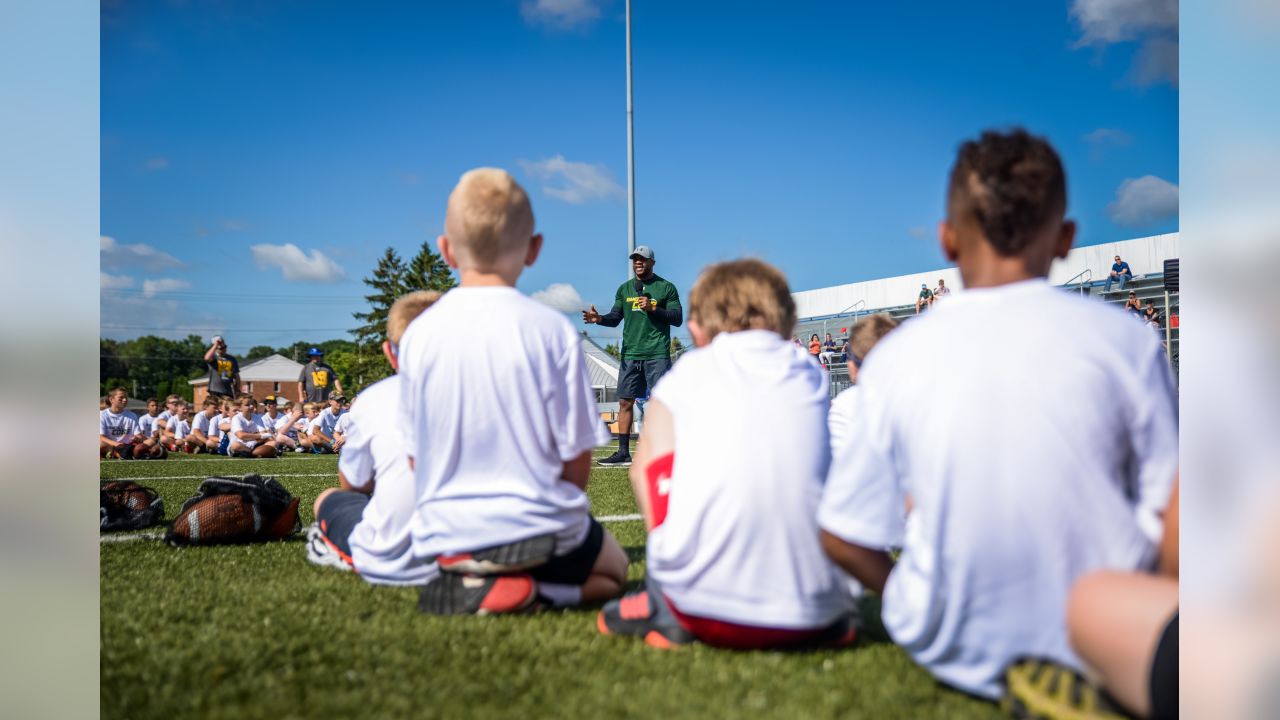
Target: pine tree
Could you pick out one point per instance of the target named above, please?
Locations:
(388, 283)
(428, 271)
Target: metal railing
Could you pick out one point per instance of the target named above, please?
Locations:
(1087, 273)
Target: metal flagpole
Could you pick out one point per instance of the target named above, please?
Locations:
(631, 156)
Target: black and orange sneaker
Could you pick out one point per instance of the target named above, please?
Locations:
(501, 559)
(454, 594)
(644, 616)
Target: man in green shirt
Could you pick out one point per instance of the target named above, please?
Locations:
(648, 307)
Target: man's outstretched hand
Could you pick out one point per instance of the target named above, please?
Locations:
(590, 315)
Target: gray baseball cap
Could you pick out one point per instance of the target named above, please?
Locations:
(643, 251)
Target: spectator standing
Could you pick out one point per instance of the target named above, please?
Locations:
(317, 379)
(1119, 271)
(224, 370)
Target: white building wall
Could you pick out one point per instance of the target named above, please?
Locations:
(1144, 255)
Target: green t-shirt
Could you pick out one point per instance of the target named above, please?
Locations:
(645, 337)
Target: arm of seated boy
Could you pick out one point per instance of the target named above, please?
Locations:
(656, 444)
(355, 464)
(577, 471)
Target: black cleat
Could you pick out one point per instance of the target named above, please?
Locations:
(503, 559)
(452, 594)
(618, 459)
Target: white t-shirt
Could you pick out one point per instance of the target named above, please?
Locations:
(162, 418)
(285, 427)
(1042, 448)
(382, 544)
(147, 424)
(180, 428)
(840, 419)
(117, 427)
(207, 425)
(344, 421)
(740, 542)
(251, 425)
(326, 421)
(495, 398)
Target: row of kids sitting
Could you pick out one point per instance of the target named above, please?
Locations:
(971, 495)
(222, 426)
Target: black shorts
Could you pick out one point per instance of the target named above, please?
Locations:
(574, 567)
(1164, 673)
(338, 516)
(636, 378)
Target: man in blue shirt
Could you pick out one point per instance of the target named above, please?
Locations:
(1119, 271)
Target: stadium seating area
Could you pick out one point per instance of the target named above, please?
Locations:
(1147, 287)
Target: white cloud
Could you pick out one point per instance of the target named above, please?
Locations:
(561, 296)
(151, 287)
(1152, 23)
(560, 14)
(919, 232)
(136, 256)
(573, 182)
(114, 282)
(1108, 136)
(296, 265)
(157, 163)
(1110, 21)
(1144, 201)
(130, 316)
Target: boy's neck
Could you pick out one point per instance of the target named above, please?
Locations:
(488, 278)
(991, 269)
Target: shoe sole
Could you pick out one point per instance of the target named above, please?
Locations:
(501, 560)
(448, 595)
(602, 463)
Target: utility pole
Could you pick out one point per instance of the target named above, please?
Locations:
(631, 155)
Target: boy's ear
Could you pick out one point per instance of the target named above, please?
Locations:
(446, 251)
(1066, 239)
(535, 247)
(700, 338)
(947, 239)
(391, 357)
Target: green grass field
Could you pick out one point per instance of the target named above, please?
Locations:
(257, 632)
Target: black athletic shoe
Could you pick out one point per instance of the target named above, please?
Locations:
(502, 559)
(618, 459)
(638, 615)
(452, 594)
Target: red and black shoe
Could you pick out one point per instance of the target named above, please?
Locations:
(644, 616)
(501, 559)
(454, 594)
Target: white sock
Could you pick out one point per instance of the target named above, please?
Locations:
(561, 595)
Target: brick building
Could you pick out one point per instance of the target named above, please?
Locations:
(272, 375)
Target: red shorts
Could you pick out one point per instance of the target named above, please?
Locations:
(733, 636)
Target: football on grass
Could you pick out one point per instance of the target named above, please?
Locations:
(217, 519)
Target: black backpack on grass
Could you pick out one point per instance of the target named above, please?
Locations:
(126, 505)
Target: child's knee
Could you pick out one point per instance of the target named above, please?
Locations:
(321, 498)
(612, 561)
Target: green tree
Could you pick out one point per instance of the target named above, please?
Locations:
(358, 368)
(257, 352)
(428, 271)
(677, 347)
(387, 283)
(612, 351)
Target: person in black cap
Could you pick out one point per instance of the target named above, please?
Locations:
(648, 306)
(317, 379)
(224, 370)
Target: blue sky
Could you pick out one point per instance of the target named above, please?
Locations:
(258, 156)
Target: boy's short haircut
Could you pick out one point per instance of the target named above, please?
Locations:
(116, 391)
(1011, 184)
(210, 401)
(868, 331)
(309, 406)
(742, 295)
(172, 398)
(244, 397)
(405, 309)
(488, 216)
(152, 400)
(183, 403)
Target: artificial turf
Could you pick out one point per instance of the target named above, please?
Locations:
(255, 631)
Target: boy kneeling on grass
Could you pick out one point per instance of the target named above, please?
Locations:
(728, 474)
(1042, 448)
(496, 399)
(365, 524)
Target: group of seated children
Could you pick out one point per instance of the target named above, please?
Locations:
(970, 496)
(223, 426)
